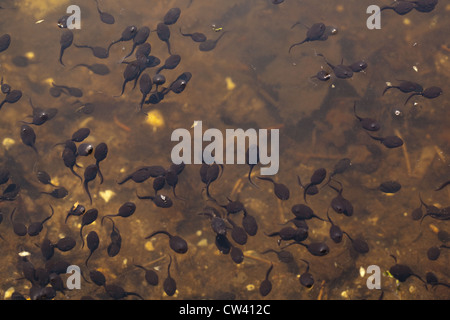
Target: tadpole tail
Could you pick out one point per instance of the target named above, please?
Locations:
(131, 52)
(81, 236)
(25, 122)
(109, 216)
(168, 47)
(317, 217)
(86, 187)
(145, 197)
(295, 24)
(58, 144)
(76, 174)
(291, 243)
(87, 260)
(442, 186)
(61, 56)
(250, 176)
(160, 69)
(111, 44)
(386, 89)
(67, 217)
(157, 232)
(207, 190)
(296, 44)
(418, 277)
(412, 95)
(123, 89)
(305, 190)
(136, 80)
(100, 174)
(35, 149)
(50, 216)
(212, 199)
(328, 182)
(80, 46)
(175, 195)
(375, 138)
(348, 236)
(134, 294)
(265, 178)
(141, 104)
(273, 234)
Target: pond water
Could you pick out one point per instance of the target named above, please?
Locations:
(249, 80)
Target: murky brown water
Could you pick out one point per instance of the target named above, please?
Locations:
(270, 88)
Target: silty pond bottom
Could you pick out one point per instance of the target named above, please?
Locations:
(364, 150)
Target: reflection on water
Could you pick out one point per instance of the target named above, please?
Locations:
(249, 79)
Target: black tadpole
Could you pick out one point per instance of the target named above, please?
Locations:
(145, 86)
(443, 185)
(150, 275)
(359, 244)
(125, 210)
(367, 123)
(44, 178)
(169, 285)
(98, 52)
(70, 160)
(266, 286)
(163, 32)
(249, 223)
(104, 16)
(389, 142)
(317, 178)
(341, 204)
(19, 228)
(140, 38)
(316, 32)
(402, 272)
(210, 44)
(28, 137)
(75, 211)
(336, 234)
(89, 217)
(283, 255)
(160, 200)
(400, 7)
(116, 292)
(341, 71)
(127, 34)
(253, 163)
(176, 243)
(306, 279)
(11, 97)
(90, 173)
(36, 227)
(65, 42)
(93, 242)
(196, 36)
(405, 87)
(213, 173)
(100, 153)
(281, 191)
(429, 93)
(58, 193)
(172, 16)
(315, 248)
(97, 68)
